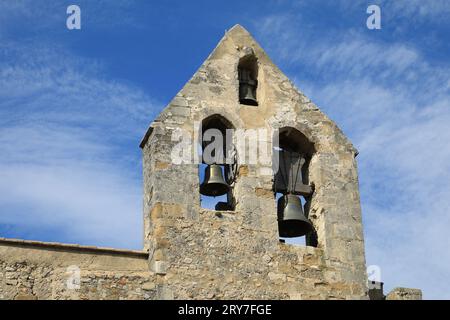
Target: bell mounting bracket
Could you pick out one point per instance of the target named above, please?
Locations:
(232, 167)
(289, 179)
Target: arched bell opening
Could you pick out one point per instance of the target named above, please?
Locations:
(215, 171)
(292, 188)
(248, 80)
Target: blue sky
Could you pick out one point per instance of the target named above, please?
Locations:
(75, 104)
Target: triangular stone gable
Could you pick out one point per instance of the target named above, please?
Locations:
(214, 87)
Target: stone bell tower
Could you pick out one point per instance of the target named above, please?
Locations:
(236, 252)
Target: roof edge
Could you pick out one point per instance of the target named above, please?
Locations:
(73, 247)
(147, 135)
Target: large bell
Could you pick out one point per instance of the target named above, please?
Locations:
(214, 183)
(291, 219)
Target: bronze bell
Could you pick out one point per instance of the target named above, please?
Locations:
(247, 88)
(214, 183)
(291, 219)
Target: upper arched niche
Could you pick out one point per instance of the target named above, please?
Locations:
(291, 139)
(218, 122)
(248, 80)
(294, 145)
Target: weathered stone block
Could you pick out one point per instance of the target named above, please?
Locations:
(404, 294)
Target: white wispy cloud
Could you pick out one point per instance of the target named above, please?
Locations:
(50, 16)
(435, 11)
(394, 105)
(69, 143)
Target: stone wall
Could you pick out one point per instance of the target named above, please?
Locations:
(219, 256)
(37, 270)
(404, 294)
(204, 254)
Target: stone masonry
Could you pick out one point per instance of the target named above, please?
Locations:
(195, 253)
(206, 254)
(31, 270)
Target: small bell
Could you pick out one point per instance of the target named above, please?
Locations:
(214, 183)
(291, 219)
(247, 88)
